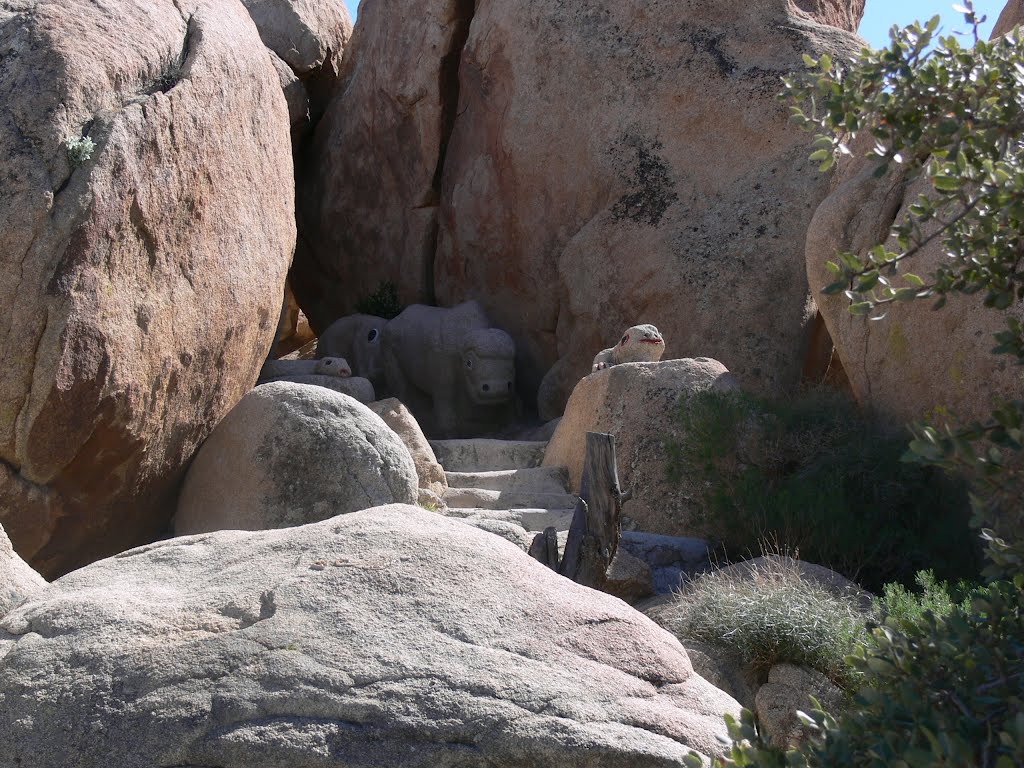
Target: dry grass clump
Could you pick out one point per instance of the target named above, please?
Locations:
(769, 614)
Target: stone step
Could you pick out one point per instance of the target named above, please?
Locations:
(533, 520)
(485, 498)
(536, 479)
(485, 454)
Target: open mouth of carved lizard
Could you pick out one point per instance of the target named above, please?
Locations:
(652, 341)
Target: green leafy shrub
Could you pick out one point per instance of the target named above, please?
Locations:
(382, 303)
(771, 615)
(79, 149)
(901, 605)
(954, 116)
(810, 475)
(939, 690)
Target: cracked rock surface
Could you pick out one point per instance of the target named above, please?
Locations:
(139, 287)
(290, 454)
(616, 163)
(374, 170)
(391, 636)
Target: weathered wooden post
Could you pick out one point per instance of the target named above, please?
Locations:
(594, 533)
(545, 547)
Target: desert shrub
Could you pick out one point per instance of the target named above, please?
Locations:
(79, 149)
(771, 615)
(939, 690)
(810, 475)
(902, 605)
(953, 116)
(382, 303)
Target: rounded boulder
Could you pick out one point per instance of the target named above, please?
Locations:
(389, 637)
(147, 214)
(290, 454)
(636, 402)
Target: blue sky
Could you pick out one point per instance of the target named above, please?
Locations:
(882, 14)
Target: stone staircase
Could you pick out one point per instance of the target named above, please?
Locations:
(499, 485)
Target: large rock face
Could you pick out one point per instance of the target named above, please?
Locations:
(845, 14)
(915, 359)
(370, 213)
(290, 454)
(17, 580)
(309, 37)
(629, 162)
(1012, 16)
(637, 403)
(139, 290)
(387, 637)
(605, 165)
(307, 34)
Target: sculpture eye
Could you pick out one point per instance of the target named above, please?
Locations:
(372, 335)
(624, 340)
(469, 363)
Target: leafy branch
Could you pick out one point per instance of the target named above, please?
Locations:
(953, 117)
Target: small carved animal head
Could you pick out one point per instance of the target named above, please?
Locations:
(488, 366)
(640, 344)
(333, 366)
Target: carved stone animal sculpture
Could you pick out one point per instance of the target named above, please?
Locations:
(639, 344)
(451, 369)
(356, 338)
(289, 369)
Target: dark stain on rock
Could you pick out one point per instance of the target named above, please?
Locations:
(651, 181)
(706, 42)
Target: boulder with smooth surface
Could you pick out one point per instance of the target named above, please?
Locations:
(17, 579)
(310, 37)
(915, 360)
(637, 403)
(389, 637)
(290, 454)
(428, 470)
(140, 280)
